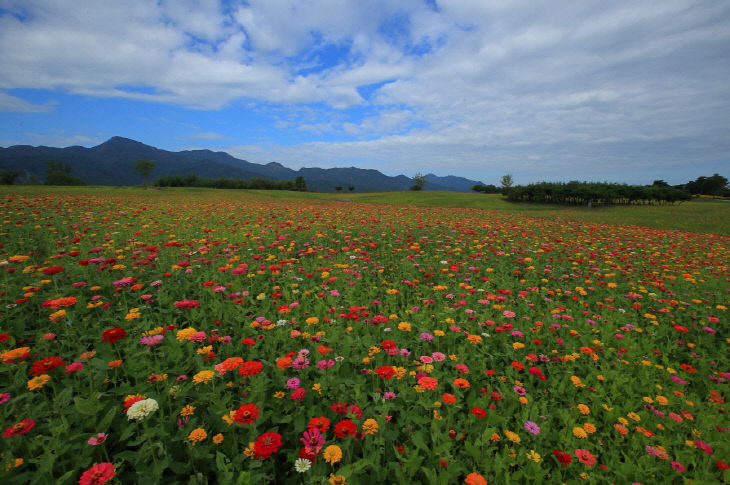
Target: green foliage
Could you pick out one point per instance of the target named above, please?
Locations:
(419, 181)
(226, 183)
(506, 181)
(300, 184)
(144, 169)
(59, 173)
(589, 193)
(716, 185)
(486, 189)
(8, 177)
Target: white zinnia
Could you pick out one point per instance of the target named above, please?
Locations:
(302, 465)
(142, 408)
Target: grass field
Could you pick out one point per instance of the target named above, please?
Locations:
(697, 215)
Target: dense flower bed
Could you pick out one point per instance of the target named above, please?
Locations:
(226, 342)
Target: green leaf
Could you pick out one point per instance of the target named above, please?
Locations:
(418, 440)
(87, 407)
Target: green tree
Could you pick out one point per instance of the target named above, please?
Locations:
(59, 173)
(419, 180)
(715, 185)
(351, 188)
(506, 181)
(300, 184)
(8, 177)
(144, 169)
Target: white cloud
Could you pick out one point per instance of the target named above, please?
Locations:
(471, 84)
(13, 104)
(208, 136)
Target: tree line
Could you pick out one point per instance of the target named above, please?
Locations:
(592, 193)
(193, 180)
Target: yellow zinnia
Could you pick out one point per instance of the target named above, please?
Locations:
(370, 426)
(579, 432)
(203, 376)
(197, 435)
(332, 454)
(38, 382)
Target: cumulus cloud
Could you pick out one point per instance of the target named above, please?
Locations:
(419, 84)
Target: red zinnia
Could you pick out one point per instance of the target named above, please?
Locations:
(246, 414)
(563, 458)
(339, 408)
(20, 428)
(187, 303)
(250, 368)
(537, 373)
(51, 270)
(478, 412)
(266, 445)
(46, 365)
(97, 474)
(345, 428)
(321, 423)
(113, 334)
(131, 400)
(385, 372)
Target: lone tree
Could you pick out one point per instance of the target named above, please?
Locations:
(59, 173)
(300, 184)
(506, 181)
(144, 169)
(419, 181)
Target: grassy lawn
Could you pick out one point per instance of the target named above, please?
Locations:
(698, 215)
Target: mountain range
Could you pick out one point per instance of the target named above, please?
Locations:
(111, 164)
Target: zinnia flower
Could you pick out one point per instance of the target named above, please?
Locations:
(302, 465)
(250, 368)
(428, 383)
(38, 382)
(97, 474)
(332, 454)
(345, 428)
(313, 440)
(475, 479)
(46, 365)
(197, 435)
(142, 409)
(246, 414)
(113, 334)
(585, 457)
(370, 426)
(20, 428)
(532, 427)
(98, 439)
(266, 445)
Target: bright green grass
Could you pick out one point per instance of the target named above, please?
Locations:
(698, 215)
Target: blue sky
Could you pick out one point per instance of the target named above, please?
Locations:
(619, 91)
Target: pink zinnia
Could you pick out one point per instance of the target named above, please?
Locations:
(151, 340)
(313, 440)
(75, 367)
(98, 439)
(704, 447)
(585, 457)
(532, 427)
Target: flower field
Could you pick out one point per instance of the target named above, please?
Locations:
(198, 340)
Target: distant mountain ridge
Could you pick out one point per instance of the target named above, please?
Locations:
(110, 163)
